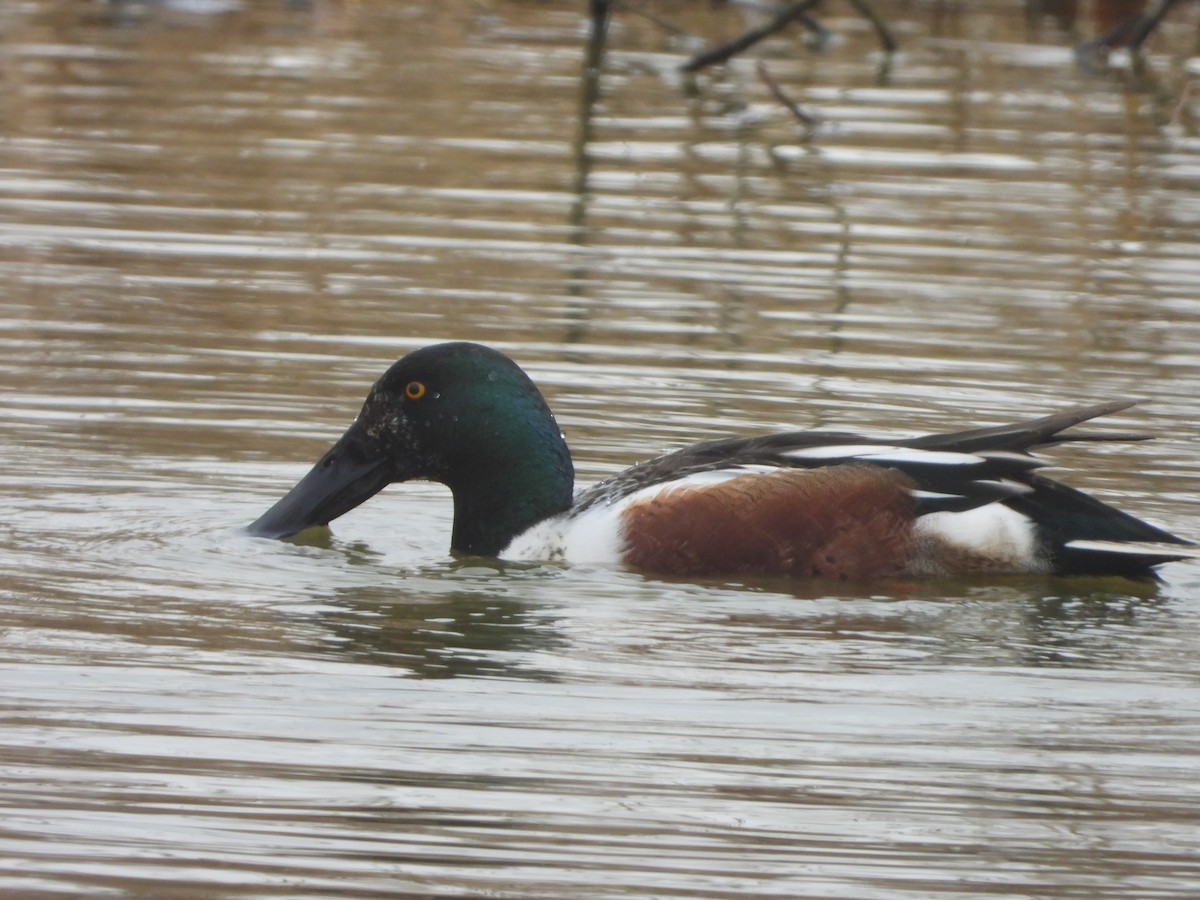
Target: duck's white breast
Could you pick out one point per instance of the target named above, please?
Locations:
(593, 536)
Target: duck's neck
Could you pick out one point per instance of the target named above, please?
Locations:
(526, 476)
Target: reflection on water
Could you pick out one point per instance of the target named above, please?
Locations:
(219, 222)
(445, 631)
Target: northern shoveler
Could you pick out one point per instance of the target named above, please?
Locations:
(817, 503)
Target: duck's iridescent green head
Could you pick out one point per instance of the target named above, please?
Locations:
(461, 414)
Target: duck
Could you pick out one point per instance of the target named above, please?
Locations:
(799, 504)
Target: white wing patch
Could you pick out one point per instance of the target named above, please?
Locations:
(884, 454)
(934, 495)
(1136, 548)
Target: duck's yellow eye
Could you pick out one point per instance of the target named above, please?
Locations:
(414, 390)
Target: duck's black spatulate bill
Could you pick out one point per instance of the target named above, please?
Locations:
(351, 472)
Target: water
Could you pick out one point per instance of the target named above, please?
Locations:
(220, 222)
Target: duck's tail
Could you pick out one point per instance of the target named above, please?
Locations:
(1086, 536)
(1082, 535)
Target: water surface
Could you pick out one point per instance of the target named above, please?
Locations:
(220, 222)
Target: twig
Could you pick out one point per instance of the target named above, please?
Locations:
(881, 29)
(731, 48)
(1185, 95)
(1132, 30)
(1150, 20)
(804, 118)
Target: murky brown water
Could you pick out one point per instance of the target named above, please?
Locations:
(220, 221)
